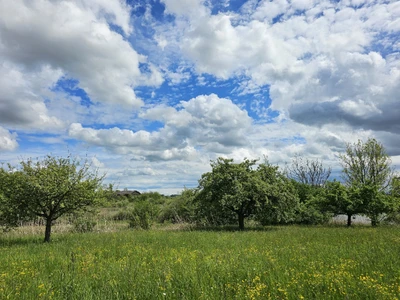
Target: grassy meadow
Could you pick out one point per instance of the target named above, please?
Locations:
(274, 263)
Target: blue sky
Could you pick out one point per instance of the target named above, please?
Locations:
(151, 91)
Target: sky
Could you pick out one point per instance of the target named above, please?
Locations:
(151, 91)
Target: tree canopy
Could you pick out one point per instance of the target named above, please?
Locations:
(231, 187)
(367, 172)
(340, 199)
(247, 191)
(49, 188)
(282, 198)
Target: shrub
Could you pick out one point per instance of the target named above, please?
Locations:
(143, 215)
(122, 215)
(179, 209)
(310, 214)
(84, 223)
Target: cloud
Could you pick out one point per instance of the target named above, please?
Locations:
(192, 8)
(359, 89)
(8, 141)
(21, 98)
(317, 71)
(97, 163)
(113, 137)
(271, 77)
(75, 37)
(115, 12)
(203, 122)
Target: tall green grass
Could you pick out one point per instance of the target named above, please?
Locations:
(278, 263)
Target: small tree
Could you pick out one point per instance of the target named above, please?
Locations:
(51, 188)
(367, 171)
(231, 188)
(10, 191)
(342, 200)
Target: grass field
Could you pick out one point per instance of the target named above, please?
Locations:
(276, 263)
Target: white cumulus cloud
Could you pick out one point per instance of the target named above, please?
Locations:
(76, 38)
(8, 141)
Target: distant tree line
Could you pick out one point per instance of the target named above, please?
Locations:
(302, 193)
(231, 193)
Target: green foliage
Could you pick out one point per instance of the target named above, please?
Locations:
(180, 208)
(105, 195)
(238, 191)
(153, 197)
(367, 172)
(230, 189)
(310, 213)
(143, 215)
(51, 188)
(84, 222)
(304, 191)
(366, 164)
(395, 189)
(340, 199)
(312, 207)
(392, 218)
(282, 201)
(123, 215)
(123, 203)
(375, 202)
(11, 212)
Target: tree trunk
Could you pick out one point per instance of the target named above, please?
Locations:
(241, 221)
(349, 220)
(48, 230)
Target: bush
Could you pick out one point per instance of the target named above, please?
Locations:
(153, 197)
(143, 215)
(179, 209)
(310, 214)
(84, 223)
(122, 215)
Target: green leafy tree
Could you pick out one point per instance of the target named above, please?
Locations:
(395, 187)
(342, 200)
(367, 171)
(312, 208)
(394, 215)
(282, 198)
(231, 188)
(10, 191)
(51, 188)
